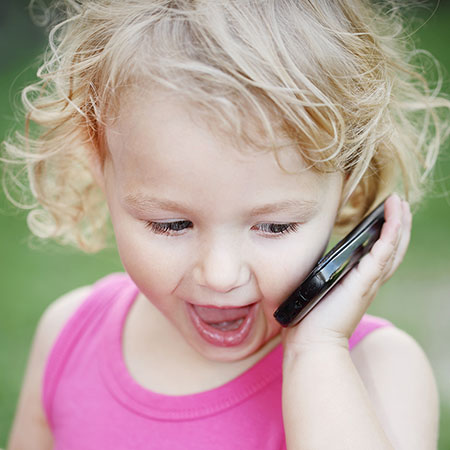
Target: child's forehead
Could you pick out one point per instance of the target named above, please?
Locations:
(151, 123)
(149, 108)
(158, 146)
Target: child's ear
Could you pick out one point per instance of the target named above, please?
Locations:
(96, 167)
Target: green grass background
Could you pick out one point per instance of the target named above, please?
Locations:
(416, 299)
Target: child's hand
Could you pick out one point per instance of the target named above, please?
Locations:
(334, 319)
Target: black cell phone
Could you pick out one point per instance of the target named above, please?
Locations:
(331, 268)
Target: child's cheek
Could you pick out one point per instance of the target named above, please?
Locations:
(288, 264)
(153, 263)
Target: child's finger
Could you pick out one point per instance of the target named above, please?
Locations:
(394, 224)
(403, 241)
(406, 232)
(372, 269)
(389, 250)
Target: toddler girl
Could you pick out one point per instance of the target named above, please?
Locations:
(228, 139)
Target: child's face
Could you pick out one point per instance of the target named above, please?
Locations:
(218, 253)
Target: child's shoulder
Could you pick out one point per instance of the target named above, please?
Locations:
(387, 344)
(390, 353)
(50, 326)
(398, 378)
(30, 414)
(58, 313)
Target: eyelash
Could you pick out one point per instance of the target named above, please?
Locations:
(166, 227)
(171, 228)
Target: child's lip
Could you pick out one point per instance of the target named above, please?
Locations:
(224, 337)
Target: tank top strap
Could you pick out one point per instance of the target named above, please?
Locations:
(367, 325)
(86, 319)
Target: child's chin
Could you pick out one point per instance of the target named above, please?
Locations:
(227, 354)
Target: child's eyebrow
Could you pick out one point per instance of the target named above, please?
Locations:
(142, 203)
(305, 207)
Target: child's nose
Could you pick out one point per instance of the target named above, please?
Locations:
(221, 266)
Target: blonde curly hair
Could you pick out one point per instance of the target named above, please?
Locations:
(336, 79)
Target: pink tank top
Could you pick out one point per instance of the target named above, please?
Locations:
(92, 402)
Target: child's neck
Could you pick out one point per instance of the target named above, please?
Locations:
(181, 370)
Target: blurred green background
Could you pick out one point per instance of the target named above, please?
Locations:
(32, 274)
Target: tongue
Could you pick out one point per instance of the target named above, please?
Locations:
(210, 314)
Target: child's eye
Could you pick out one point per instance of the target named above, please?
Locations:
(173, 228)
(169, 228)
(278, 229)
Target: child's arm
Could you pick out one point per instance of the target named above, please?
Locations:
(30, 428)
(383, 398)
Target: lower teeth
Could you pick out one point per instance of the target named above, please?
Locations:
(228, 326)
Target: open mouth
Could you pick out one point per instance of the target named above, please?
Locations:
(224, 327)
